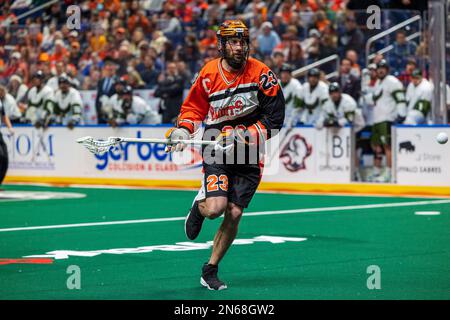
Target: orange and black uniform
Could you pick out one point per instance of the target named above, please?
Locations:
(251, 98)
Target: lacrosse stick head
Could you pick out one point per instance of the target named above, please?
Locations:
(98, 146)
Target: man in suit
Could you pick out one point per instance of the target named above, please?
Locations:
(349, 82)
(105, 87)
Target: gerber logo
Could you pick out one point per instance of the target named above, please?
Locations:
(295, 152)
(234, 108)
(131, 151)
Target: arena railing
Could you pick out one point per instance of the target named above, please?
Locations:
(297, 73)
(389, 31)
(7, 22)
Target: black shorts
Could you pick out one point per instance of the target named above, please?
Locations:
(236, 182)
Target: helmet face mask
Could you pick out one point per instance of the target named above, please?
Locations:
(231, 34)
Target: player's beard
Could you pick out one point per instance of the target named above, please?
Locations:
(236, 61)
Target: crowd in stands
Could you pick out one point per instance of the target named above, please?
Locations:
(143, 38)
(160, 45)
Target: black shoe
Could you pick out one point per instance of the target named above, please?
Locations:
(209, 278)
(193, 222)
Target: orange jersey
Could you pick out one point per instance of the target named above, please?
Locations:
(252, 98)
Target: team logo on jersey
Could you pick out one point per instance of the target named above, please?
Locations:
(233, 108)
(295, 152)
(206, 84)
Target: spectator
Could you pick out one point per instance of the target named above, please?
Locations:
(296, 56)
(138, 19)
(53, 82)
(123, 59)
(136, 39)
(158, 41)
(98, 39)
(278, 60)
(350, 37)
(105, 87)
(279, 26)
(405, 75)
(210, 39)
(147, 72)
(403, 49)
(74, 53)
(170, 90)
(311, 45)
(268, 40)
(355, 70)
(185, 73)
(320, 21)
(327, 47)
(349, 84)
(13, 65)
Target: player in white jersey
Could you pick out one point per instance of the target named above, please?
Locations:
(339, 110)
(314, 94)
(292, 89)
(40, 102)
(9, 104)
(107, 103)
(390, 106)
(132, 109)
(419, 95)
(68, 103)
(363, 146)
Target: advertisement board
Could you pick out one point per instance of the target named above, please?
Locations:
(302, 155)
(420, 159)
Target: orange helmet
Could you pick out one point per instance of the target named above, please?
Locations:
(232, 28)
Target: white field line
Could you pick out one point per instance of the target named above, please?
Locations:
(261, 213)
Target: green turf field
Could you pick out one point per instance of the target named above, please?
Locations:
(344, 236)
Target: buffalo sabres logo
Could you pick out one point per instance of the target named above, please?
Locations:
(295, 152)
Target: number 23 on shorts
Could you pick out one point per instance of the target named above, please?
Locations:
(215, 182)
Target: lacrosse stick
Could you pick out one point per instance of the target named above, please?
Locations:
(102, 146)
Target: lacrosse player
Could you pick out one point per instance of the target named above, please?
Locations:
(339, 110)
(239, 98)
(292, 89)
(132, 109)
(314, 93)
(40, 102)
(68, 103)
(419, 95)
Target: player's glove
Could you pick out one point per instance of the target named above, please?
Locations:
(176, 134)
